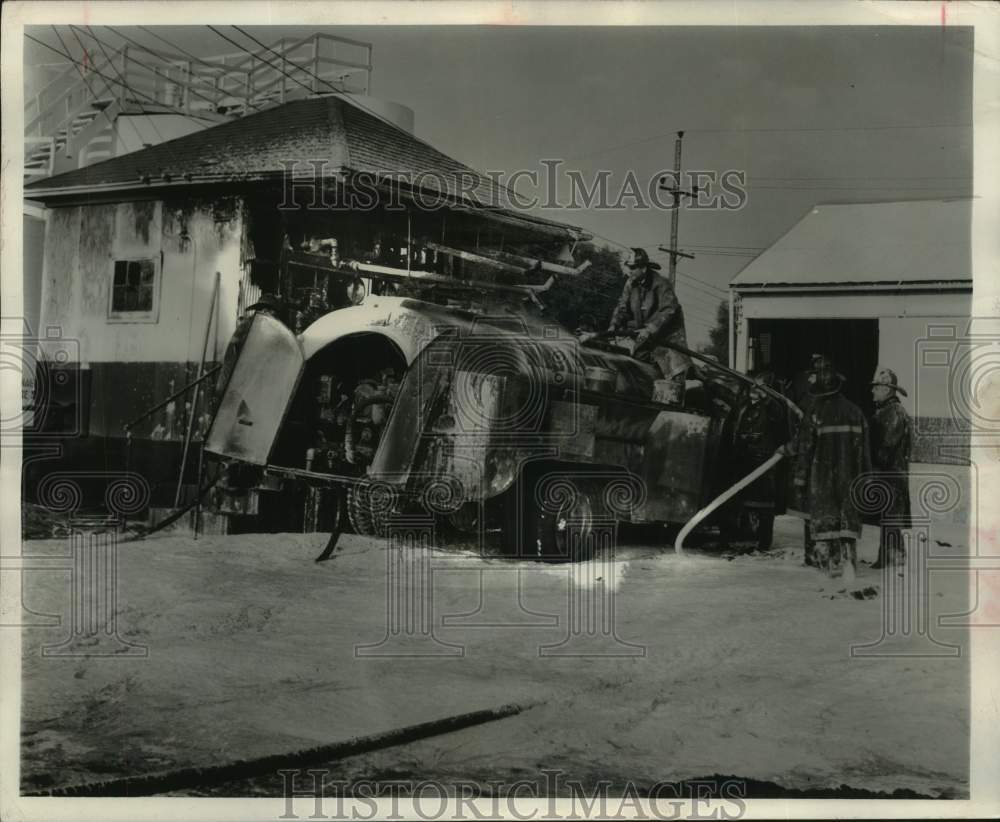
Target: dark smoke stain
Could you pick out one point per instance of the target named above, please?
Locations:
(143, 212)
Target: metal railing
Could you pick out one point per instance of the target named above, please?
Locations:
(143, 79)
(145, 76)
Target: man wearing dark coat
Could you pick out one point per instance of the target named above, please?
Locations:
(800, 387)
(891, 435)
(831, 452)
(759, 430)
(649, 307)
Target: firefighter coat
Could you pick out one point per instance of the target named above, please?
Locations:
(891, 435)
(648, 303)
(831, 453)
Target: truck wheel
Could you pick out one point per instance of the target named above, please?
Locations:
(466, 519)
(561, 532)
(366, 512)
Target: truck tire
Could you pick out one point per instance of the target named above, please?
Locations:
(367, 517)
(565, 535)
(556, 518)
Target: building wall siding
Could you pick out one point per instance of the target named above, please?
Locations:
(855, 304)
(62, 248)
(129, 366)
(34, 252)
(189, 245)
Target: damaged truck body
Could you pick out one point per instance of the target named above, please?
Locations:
(398, 343)
(503, 426)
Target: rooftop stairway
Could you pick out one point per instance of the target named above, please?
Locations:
(73, 121)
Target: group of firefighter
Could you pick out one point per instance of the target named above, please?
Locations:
(835, 455)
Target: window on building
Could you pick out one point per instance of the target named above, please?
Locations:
(133, 290)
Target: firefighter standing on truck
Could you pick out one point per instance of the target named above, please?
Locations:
(649, 307)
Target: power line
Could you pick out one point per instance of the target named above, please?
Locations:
(699, 285)
(705, 251)
(714, 299)
(703, 247)
(110, 62)
(148, 68)
(859, 177)
(700, 281)
(693, 313)
(334, 90)
(697, 282)
(125, 85)
(258, 57)
(697, 294)
(704, 317)
(699, 310)
(708, 311)
(80, 66)
(855, 189)
(173, 46)
(284, 59)
(688, 318)
(68, 55)
(716, 246)
(790, 130)
(695, 286)
(514, 196)
(83, 76)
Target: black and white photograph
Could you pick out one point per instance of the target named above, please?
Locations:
(427, 410)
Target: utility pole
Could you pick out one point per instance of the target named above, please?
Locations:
(676, 192)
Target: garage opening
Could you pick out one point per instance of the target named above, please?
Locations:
(785, 346)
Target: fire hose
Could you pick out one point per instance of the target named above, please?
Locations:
(758, 472)
(724, 497)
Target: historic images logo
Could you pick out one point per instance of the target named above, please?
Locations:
(312, 183)
(549, 796)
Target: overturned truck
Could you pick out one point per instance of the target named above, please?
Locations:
(506, 427)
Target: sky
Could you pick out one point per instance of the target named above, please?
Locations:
(810, 114)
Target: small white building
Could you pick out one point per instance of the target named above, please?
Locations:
(874, 284)
(152, 258)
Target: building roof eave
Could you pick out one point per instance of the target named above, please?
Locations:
(72, 195)
(151, 184)
(953, 284)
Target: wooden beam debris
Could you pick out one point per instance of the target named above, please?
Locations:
(533, 262)
(450, 282)
(472, 257)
